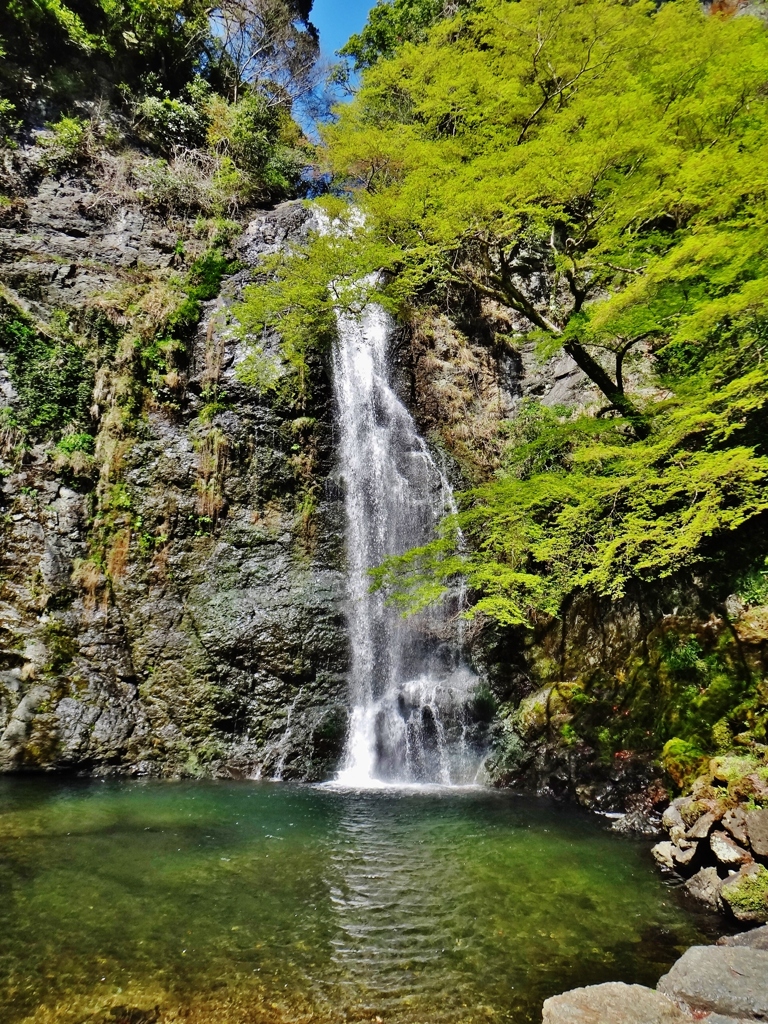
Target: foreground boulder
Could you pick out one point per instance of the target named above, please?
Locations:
(722, 984)
(727, 980)
(613, 1003)
(757, 938)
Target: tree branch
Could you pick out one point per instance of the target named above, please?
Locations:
(612, 390)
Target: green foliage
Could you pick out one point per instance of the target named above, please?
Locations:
(167, 63)
(681, 654)
(485, 157)
(299, 296)
(218, 156)
(259, 138)
(9, 123)
(614, 511)
(67, 142)
(752, 586)
(51, 374)
(76, 140)
(207, 272)
(390, 24)
(69, 48)
(613, 152)
(171, 122)
(71, 443)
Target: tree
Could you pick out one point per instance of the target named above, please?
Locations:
(391, 23)
(598, 171)
(547, 155)
(268, 44)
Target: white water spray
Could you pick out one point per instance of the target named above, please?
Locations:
(409, 687)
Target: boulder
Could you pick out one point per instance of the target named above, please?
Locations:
(613, 1003)
(757, 831)
(672, 818)
(705, 885)
(702, 826)
(729, 980)
(719, 1018)
(670, 855)
(757, 938)
(735, 822)
(746, 893)
(728, 853)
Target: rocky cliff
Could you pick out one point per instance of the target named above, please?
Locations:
(172, 563)
(168, 604)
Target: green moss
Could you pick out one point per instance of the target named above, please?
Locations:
(76, 443)
(62, 647)
(51, 374)
(683, 761)
(749, 895)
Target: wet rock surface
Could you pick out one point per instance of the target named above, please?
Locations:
(757, 938)
(220, 648)
(730, 980)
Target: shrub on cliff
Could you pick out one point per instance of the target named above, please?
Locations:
(209, 89)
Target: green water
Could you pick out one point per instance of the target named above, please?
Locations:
(244, 903)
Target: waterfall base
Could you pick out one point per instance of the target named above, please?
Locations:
(416, 734)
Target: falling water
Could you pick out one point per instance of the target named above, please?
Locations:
(409, 687)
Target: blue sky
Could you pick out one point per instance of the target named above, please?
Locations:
(337, 20)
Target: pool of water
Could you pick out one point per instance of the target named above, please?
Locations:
(244, 903)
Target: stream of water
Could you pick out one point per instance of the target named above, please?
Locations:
(237, 903)
(409, 685)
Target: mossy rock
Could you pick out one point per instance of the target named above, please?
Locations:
(682, 761)
(747, 894)
(547, 708)
(732, 768)
(691, 811)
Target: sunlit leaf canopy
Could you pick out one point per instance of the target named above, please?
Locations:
(598, 170)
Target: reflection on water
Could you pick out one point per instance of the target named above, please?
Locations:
(397, 930)
(233, 903)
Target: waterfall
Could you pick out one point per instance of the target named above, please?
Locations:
(409, 687)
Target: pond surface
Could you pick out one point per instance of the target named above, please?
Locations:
(246, 903)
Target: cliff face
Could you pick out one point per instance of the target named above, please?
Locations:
(173, 602)
(207, 636)
(176, 606)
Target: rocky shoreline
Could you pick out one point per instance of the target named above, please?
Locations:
(718, 841)
(722, 984)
